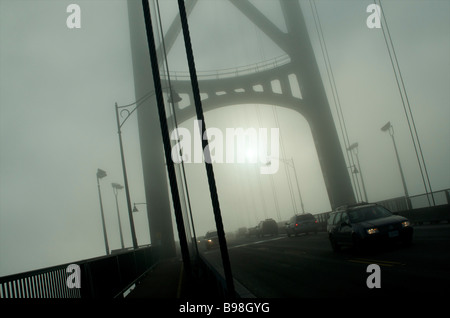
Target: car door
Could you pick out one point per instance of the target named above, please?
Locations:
(336, 226)
(345, 229)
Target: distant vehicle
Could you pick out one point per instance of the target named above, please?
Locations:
(253, 231)
(363, 224)
(302, 223)
(267, 227)
(241, 232)
(211, 240)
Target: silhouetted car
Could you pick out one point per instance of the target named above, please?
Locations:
(267, 227)
(363, 224)
(303, 223)
(211, 239)
(253, 231)
(242, 232)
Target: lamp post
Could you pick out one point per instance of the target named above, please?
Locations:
(390, 128)
(354, 147)
(125, 109)
(135, 208)
(116, 187)
(124, 169)
(101, 174)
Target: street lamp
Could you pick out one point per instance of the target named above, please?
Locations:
(101, 174)
(135, 208)
(116, 187)
(390, 128)
(125, 109)
(354, 147)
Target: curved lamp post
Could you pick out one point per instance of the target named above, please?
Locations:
(135, 208)
(354, 147)
(390, 128)
(125, 112)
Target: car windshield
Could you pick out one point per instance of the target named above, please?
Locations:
(305, 217)
(368, 213)
(211, 234)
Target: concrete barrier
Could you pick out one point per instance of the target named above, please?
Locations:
(428, 215)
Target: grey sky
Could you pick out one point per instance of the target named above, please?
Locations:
(57, 122)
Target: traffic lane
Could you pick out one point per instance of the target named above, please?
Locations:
(288, 267)
(305, 266)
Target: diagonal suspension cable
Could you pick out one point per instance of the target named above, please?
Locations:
(405, 102)
(335, 94)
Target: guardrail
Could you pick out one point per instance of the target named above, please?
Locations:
(419, 201)
(103, 277)
(427, 215)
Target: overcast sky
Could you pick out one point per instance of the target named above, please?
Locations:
(58, 87)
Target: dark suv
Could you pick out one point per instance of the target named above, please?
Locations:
(303, 223)
(362, 224)
(267, 227)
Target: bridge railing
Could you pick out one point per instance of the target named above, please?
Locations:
(231, 72)
(419, 201)
(102, 277)
(420, 213)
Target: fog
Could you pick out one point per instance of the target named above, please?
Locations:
(58, 87)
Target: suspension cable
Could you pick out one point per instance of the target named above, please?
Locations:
(405, 102)
(175, 123)
(335, 94)
(209, 169)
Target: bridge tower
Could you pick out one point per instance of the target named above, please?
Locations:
(298, 67)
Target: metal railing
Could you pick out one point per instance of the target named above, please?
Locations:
(103, 277)
(418, 201)
(231, 72)
(421, 210)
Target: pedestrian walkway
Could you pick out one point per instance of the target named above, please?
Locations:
(165, 280)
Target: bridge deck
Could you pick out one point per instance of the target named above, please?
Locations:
(169, 280)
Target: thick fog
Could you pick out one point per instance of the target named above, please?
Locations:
(58, 88)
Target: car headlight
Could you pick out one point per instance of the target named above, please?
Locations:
(406, 224)
(372, 230)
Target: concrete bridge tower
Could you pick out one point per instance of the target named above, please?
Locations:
(299, 67)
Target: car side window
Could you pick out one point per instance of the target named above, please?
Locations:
(331, 218)
(337, 219)
(345, 218)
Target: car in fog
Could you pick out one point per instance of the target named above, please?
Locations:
(364, 224)
(302, 223)
(211, 240)
(267, 227)
(242, 232)
(253, 231)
